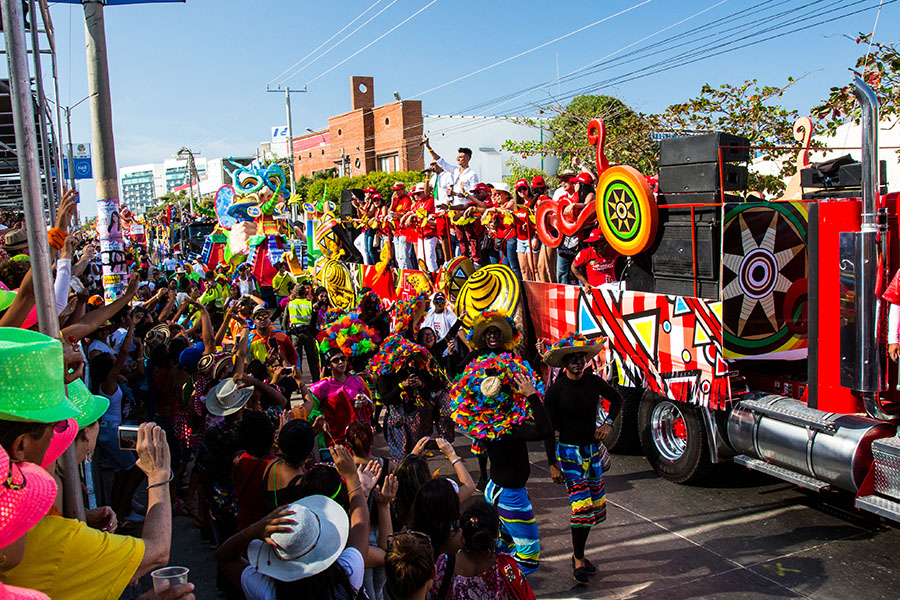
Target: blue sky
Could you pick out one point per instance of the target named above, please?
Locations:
(195, 73)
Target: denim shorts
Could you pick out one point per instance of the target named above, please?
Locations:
(522, 246)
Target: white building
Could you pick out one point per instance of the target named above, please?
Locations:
(139, 185)
(485, 137)
(847, 140)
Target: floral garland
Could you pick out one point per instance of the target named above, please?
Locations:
(576, 340)
(397, 351)
(370, 296)
(332, 315)
(491, 315)
(349, 335)
(404, 311)
(488, 417)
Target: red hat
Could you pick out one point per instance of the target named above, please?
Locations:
(538, 182)
(521, 183)
(398, 185)
(596, 236)
(377, 196)
(481, 187)
(369, 190)
(584, 178)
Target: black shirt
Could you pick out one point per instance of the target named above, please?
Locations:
(510, 466)
(572, 406)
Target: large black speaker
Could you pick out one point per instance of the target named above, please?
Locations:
(673, 255)
(703, 148)
(347, 209)
(684, 286)
(701, 177)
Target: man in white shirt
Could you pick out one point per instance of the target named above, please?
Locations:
(438, 185)
(463, 177)
(169, 265)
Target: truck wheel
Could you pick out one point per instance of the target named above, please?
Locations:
(673, 439)
(624, 434)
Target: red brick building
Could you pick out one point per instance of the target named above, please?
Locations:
(368, 138)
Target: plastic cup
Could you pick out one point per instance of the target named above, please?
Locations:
(169, 576)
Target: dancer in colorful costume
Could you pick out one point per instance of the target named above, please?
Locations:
(492, 402)
(342, 398)
(408, 379)
(573, 403)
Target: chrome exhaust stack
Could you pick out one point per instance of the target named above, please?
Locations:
(862, 353)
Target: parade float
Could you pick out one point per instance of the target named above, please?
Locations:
(742, 329)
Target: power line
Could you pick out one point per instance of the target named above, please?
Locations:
(341, 41)
(530, 50)
(382, 36)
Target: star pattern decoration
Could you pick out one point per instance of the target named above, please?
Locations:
(777, 282)
(623, 215)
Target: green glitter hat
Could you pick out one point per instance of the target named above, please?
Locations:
(31, 378)
(90, 407)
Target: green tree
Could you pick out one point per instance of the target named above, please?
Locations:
(747, 110)
(330, 189)
(879, 67)
(519, 171)
(627, 141)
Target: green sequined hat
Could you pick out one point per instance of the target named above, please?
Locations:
(90, 407)
(31, 378)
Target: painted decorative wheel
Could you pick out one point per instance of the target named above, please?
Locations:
(626, 210)
(764, 271)
(668, 430)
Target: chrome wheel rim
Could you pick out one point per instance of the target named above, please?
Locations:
(668, 430)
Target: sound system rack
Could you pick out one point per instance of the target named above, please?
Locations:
(685, 260)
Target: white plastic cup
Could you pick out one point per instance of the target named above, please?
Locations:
(168, 576)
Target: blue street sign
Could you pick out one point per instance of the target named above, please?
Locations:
(83, 169)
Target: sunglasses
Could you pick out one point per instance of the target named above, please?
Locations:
(261, 316)
(338, 359)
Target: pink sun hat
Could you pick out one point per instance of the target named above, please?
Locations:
(25, 498)
(9, 592)
(62, 439)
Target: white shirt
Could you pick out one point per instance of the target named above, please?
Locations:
(169, 264)
(441, 181)
(441, 323)
(463, 180)
(559, 193)
(262, 587)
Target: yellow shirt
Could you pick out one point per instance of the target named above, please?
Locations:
(67, 560)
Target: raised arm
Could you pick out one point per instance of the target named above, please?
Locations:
(98, 317)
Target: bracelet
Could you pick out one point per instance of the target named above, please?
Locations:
(354, 489)
(453, 462)
(166, 482)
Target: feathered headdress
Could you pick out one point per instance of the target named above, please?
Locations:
(349, 335)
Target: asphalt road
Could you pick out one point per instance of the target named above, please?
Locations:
(740, 535)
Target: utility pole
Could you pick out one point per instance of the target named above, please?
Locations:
(287, 102)
(42, 114)
(32, 204)
(112, 246)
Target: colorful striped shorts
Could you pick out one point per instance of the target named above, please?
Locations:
(582, 466)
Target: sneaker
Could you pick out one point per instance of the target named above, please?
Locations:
(134, 517)
(479, 487)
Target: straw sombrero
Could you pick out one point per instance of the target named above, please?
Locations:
(573, 344)
(509, 333)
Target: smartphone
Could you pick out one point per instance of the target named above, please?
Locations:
(128, 435)
(325, 455)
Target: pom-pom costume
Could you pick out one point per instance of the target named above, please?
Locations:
(489, 406)
(396, 362)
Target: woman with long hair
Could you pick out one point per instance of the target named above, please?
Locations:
(525, 232)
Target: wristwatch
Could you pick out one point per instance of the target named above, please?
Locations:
(608, 421)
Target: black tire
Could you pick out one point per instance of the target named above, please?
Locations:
(675, 453)
(624, 435)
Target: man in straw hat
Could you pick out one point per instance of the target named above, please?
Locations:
(574, 403)
(84, 562)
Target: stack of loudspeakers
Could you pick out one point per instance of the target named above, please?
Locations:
(694, 173)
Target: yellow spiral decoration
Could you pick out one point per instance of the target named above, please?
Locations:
(335, 277)
(490, 288)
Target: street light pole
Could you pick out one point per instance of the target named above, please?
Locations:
(109, 229)
(287, 102)
(32, 205)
